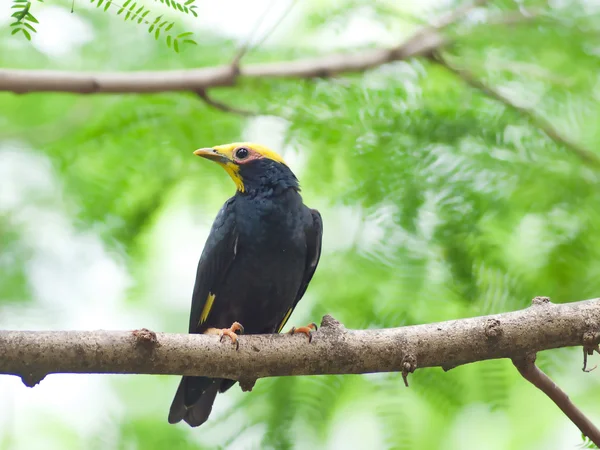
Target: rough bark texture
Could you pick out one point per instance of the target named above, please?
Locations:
(423, 42)
(25, 81)
(333, 350)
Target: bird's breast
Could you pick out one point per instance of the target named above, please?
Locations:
(262, 283)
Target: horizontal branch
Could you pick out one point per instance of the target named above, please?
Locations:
(333, 350)
(26, 81)
(423, 42)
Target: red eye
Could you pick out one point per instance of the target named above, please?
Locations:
(242, 153)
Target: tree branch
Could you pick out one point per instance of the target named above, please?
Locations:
(245, 47)
(526, 367)
(333, 350)
(27, 81)
(423, 42)
(544, 125)
(248, 44)
(223, 106)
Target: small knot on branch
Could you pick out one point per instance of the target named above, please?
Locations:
(329, 323)
(247, 384)
(146, 337)
(591, 340)
(409, 365)
(31, 379)
(540, 301)
(493, 329)
(449, 366)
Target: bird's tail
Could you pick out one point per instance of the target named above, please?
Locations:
(193, 400)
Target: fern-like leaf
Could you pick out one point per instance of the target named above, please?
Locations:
(587, 443)
(129, 10)
(23, 18)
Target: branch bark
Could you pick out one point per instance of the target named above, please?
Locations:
(469, 78)
(27, 81)
(423, 42)
(527, 368)
(223, 106)
(333, 350)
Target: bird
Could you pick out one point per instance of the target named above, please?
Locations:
(258, 260)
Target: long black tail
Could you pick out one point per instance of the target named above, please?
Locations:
(193, 400)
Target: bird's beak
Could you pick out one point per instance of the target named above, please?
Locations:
(212, 154)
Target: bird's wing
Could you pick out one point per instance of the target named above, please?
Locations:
(314, 234)
(218, 255)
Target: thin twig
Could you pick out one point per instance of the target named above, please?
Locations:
(527, 368)
(235, 63)
(544, 125)
(223, 106)
(522, 16)
(276, 24)
(246, 45)
(524, 68)
(453, 16)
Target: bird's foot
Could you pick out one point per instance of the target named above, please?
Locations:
(236, 326)
(307, 330)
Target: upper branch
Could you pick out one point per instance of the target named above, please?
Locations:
(334, 349)
(25, 81)
(424, 41)
(543, 124)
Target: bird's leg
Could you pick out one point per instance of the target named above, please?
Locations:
(307, 330)
(236, 326)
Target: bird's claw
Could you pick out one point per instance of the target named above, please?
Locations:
(231, 332)
(307, 330)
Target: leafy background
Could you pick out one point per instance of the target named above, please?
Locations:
(439, 202)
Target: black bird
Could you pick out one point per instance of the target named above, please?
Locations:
(260, 255)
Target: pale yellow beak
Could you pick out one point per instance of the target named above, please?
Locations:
(212, 154)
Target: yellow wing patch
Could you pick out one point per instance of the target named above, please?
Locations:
(285, 319)
(207, 307)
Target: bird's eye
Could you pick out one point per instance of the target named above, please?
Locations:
(242, 153)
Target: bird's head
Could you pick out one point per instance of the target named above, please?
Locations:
(252, 167)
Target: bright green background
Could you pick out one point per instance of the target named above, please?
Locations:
(438, 203)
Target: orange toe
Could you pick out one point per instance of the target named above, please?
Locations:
(236, 326)
(307, 330)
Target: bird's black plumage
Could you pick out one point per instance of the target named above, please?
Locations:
(260, 256)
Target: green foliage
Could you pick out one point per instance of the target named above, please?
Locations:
(130, 11)
(187, 7)
(149, 433)
(587, 443)
(337, 15)
(23, 18)
(155, 125)
(138, 13)
(13, 277)
(439, 202)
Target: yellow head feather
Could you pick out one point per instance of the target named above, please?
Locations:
(227, 150)
(223, 155)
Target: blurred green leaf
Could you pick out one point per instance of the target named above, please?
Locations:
(438, 203)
